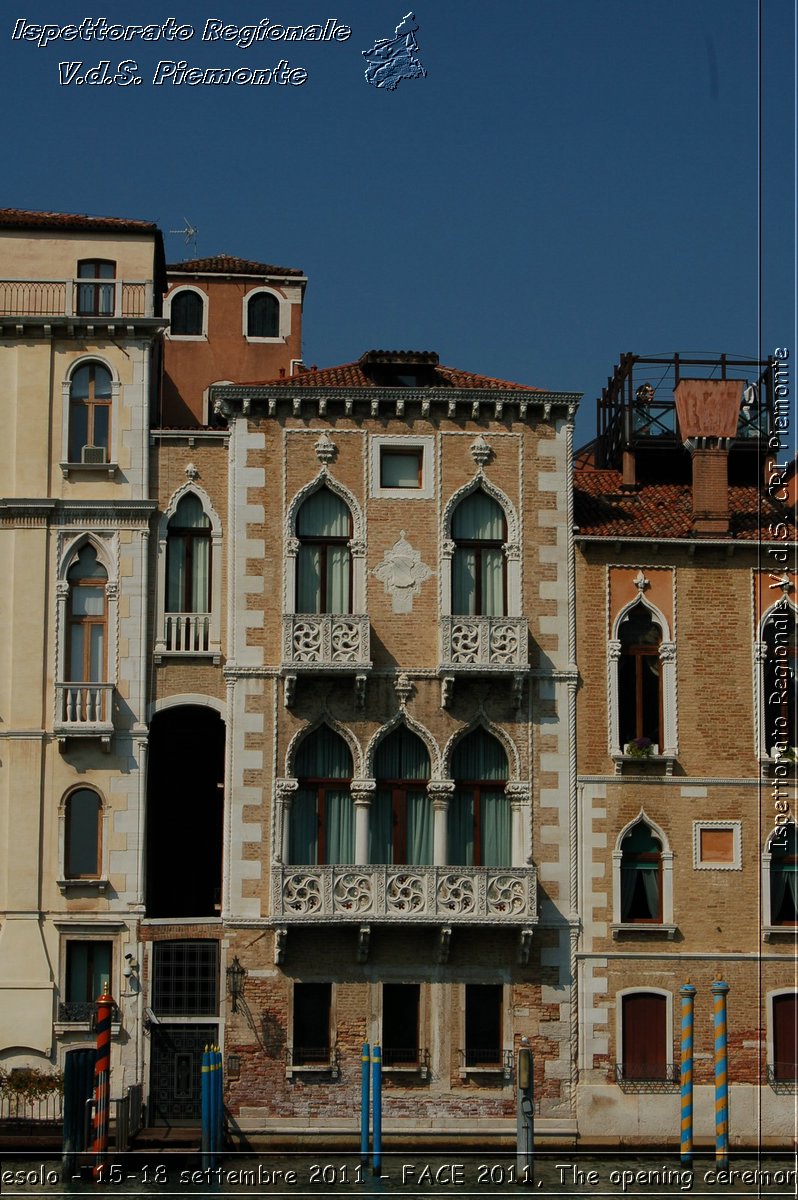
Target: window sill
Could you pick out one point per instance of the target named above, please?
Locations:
(108, 468)
(770, 931)
(99, 885)
(186, 337)
(329, 1069)
(62, 1028)
(644, 929)
(214, 656)
(668, 761)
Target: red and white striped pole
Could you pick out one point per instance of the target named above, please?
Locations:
(102, 1079)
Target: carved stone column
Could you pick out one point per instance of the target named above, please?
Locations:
(284, 790)
(362, 796)
(440, 792)
(518, 795)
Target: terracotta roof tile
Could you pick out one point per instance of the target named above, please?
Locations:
(20, 218)
(227, 264)
(352, 375)
(662, 510)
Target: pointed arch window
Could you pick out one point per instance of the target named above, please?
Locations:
(263, 316)
(82, 841)
(781, 680)
(90, 397)
(479, 532)
(188, 558)
(784, 876)
(641, 876)
(400, 829)
(322, 820)
(639, 679)
(479, 814)
(324, 561)
(87, 618)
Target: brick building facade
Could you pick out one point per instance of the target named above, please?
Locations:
(361, 715)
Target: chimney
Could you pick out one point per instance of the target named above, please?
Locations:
(708, 412)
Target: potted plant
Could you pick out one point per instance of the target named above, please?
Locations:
(641, 747)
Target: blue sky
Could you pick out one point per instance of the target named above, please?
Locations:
(572, 179)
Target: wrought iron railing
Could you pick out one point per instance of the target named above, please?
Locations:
(313, 1058)
(84, 1011)
(661, 1079)
(187, 633)
(484, 643)
(330, 640)
(82, 706)
(476, 895)
(15, 1106)
(86, 298)
(412, 1058)
(783, 1077)
(487, 1058)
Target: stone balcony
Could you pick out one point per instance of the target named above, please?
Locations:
(103, 299)
(483, 646)
(362, 895)
(84, 710)
(326, 643)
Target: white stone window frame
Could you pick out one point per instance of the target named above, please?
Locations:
(105, 551)
(632, 991)
(110, 466)
(284, 316)
(101, 882)
(767, 859)
(666, 860)
(357, 543)
(667, 658)
(214, 650)
(770, 998)
(511, 548)
(737, 861)
(405, 442)
(760, 699)
(188, 337)
(100, 933)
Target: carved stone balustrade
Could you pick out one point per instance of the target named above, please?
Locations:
(401, 894)
(479, 644)
(326, 641)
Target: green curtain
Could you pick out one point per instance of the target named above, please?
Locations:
(495, 830)
(461, 829)
(479, 756)
(323, 755)
(323, 516)
(419, 829)
(188, 515)
(303, 846)
(478, 518)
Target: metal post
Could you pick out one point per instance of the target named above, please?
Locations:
(687, 993)
(719, 992)
(206, 1107)
(102, 1078)
(525, 1117)
(219, 1099)
(364, 1103)
(376, 1164)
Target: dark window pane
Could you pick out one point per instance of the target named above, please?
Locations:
(88, 969)
(263, 316)
(186, 978)
(483, 1024)
(186, 314)
(644, 1028)
(311, 1041)
(400, 1023)
(83, 834)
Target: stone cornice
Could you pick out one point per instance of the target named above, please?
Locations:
(82, 328)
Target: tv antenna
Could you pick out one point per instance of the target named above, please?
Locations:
(189, 233)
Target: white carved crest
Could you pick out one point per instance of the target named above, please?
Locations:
(402, 572)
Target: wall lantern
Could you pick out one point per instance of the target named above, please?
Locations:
(235, 982)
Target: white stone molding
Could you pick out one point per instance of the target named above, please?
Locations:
(519, 796)
(363, 792)
(666, 857)
(735, 827)
(402, 573)
(513, 560)
(101, 882)
(402, 441)
(284, 791)
(182, 699)
(202, 336)
(284, 318)
(215, 615)
(106, 548)
(116, 395)
(357, 545)
(421, 731)
(325, 448)
(667, 657)
(480, 451)
(440, 792)
(336, 726)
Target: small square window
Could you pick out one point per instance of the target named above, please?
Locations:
(400, 468)
(716, 845)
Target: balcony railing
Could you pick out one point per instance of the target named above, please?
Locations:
(83, 1012)
(187, 633)
(483, 1059)
(660, 1079)
(330, 641)
(446, 895)
(313, 1058)
(102, 299)
(484, 643)
(783, 1077)
(84, 710)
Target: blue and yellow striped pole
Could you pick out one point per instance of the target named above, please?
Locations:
(719, 991)
(365, 1062)
(687, 993)
(206, 1100)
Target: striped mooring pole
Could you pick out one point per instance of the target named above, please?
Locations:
(719, 992)
(102, 1079)
(687, 993)
(365, 1064)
